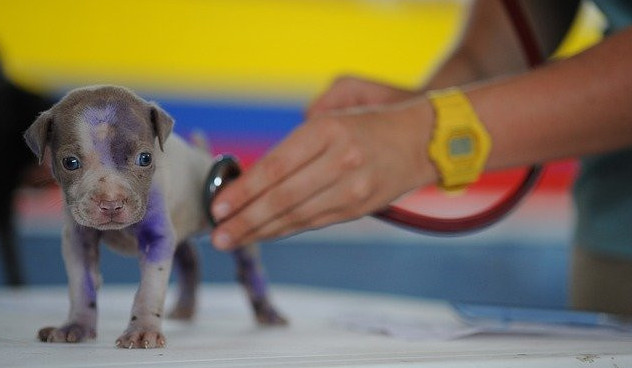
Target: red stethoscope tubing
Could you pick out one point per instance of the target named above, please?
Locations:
(453, 226)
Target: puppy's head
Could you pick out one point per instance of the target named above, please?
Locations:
(102, 142)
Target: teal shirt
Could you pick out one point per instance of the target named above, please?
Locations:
(603, 189)
(618, 13)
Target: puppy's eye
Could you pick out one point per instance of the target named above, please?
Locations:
(71, 163)
(143, 159)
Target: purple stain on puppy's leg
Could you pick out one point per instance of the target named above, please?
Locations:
(250, 274)
(155, 240)
(89, 239)
(90, 289)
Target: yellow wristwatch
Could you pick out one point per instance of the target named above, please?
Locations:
(460, 144)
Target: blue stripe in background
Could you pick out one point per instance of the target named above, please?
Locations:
(234, 120)
(505, 271)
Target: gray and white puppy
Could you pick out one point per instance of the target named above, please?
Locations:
(125, 184)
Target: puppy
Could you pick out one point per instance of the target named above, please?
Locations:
(126, 185)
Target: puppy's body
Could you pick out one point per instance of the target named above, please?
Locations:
(127, 185)
(179, 177)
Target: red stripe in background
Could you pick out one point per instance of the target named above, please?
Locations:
(558, 176)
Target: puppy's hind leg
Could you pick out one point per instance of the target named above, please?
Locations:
(187, 265)
(251, 276)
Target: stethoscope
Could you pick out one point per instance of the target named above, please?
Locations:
(226, 168)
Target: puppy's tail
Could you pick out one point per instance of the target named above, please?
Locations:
(199, 140)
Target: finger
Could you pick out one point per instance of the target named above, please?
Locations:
(320, 221)
(301, 147)
(343, 201)
(315, 177)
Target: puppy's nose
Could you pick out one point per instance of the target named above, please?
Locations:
(110, 207)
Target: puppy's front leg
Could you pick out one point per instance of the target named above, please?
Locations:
(156, 243)
(80, 248)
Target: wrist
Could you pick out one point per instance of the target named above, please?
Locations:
(421, 116)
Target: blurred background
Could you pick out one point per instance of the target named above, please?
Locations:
(241, 72)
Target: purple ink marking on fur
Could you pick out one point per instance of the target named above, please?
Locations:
(88, 238)
(95, 116)
(90, 289)
(154, 238)
(249, 272)
(116, 146)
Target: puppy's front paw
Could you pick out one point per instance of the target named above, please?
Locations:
(141, 338)
(71, 332)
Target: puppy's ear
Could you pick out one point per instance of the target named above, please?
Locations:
(37, 135)
(161, 122)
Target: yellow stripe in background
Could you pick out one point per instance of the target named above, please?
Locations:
(253, 48)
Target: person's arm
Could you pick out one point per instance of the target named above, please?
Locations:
(579, 106)
(343, 166)
(486, 48)
(489, 46)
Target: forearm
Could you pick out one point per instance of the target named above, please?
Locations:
(486, 48)
(570, 108)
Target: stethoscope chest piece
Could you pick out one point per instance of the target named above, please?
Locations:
(225, 169)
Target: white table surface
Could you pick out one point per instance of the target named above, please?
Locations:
(225, 335)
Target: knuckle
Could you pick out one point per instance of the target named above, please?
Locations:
(272, 229)
(353, 158)
(238, 191)
(291, 218)
(240, 225)
(296, 219)
(320, 221)
(360, 191)
(278, 199)
(355, 212)
(237, 194)
(345, 79)
(283, 225)
(272, 233)
(273, 168)
(332, 129)
(339, 132)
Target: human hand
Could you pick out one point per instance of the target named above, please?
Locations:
(335, 167)
(349, 91)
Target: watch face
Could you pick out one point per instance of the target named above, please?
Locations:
(461, 146)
